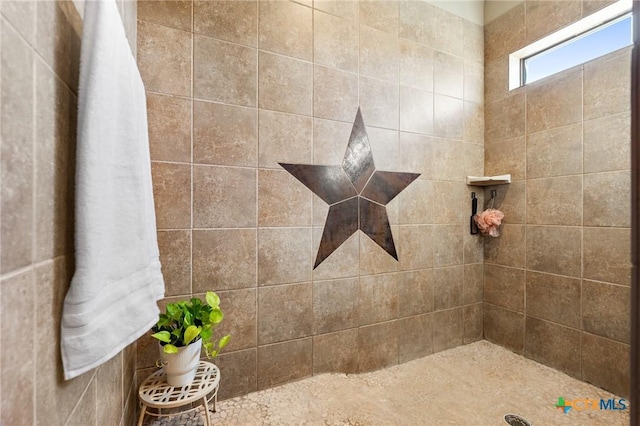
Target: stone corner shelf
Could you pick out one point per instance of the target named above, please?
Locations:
(488, 180)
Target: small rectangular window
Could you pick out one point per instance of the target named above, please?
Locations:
(578, 50)
(604, 31)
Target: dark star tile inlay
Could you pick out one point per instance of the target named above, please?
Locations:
(358, 159)
(346, 214)
(374, 222)
(356, 192)
(328, 182)
(384, 186)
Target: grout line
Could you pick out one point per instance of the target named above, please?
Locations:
(15, 272)
(433, 144)
(257, 228)
(191, 141)
(313, 161)
(94, 374)
(191, 128)
(359, 234)
(123, 392)
(1, 300)
(525, 92)
(34, 216)
(582, 221)
(584, 332)
(217, 102)
(37, 55)
(95, 398)
(189, 31)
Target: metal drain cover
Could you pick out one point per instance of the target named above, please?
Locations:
(516, 420)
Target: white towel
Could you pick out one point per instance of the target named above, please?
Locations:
(117, 281)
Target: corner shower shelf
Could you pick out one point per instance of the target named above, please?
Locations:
(488, 180)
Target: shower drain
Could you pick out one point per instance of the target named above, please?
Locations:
(516, 420)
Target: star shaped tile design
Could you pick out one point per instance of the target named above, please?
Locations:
(356, 193)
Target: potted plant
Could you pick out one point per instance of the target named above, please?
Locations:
(183, 330)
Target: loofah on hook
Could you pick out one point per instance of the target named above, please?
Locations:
(489, 221)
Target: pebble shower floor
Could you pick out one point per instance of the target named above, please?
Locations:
(479, 381)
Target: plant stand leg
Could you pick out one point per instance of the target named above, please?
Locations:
(142, 413)
(206, 411)
(214, 399)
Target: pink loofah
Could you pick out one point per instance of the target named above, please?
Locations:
(488, 221)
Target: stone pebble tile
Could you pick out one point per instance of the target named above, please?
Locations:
(478, 383)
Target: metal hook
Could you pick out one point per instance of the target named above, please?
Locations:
(494, 194)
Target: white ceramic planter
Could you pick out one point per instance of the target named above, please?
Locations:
(180, 368)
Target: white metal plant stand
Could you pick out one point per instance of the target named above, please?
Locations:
(157, 394)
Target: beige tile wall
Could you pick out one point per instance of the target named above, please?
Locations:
(40, 49)
(556, 282)
(235, 87)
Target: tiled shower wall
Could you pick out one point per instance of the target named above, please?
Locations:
(40, 48)
(234, 87)
(556, 282)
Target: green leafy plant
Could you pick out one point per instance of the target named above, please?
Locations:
(186, 322)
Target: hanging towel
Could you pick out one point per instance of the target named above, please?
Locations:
(112, 298)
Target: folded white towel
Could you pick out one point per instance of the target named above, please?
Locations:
(117, 281)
